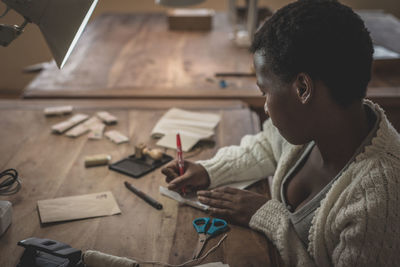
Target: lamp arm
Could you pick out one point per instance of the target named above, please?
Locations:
(22, 27)
(5, 12)
(9, 33)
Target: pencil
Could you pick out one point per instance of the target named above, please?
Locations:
(143, 196)
(180, 158)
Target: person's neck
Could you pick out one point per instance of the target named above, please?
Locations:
(344, 131)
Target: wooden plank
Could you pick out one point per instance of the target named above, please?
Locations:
(135, 56)
(123, 104)
(52, 166)
(146, 93)
(386, 96)
(138, 51)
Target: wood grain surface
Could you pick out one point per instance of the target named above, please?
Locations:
(137, 51)
(52, 166)
(135, 56)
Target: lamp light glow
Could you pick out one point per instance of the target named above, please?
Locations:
(79, 33)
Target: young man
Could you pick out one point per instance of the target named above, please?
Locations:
(335, 157)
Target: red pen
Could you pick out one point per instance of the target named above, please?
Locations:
(180, 158)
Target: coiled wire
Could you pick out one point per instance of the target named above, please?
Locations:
(9, 182)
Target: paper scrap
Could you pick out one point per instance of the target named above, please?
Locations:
(60, 110)
(83, 127)
(381, 52)
(97, 132)
(169, 141)
(116, 137)
(192, 200)
(77, 207)
(71, 122)
(192, 127)
(107, 118)
(199, 123)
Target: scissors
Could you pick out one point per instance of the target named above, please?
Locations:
(216, 226)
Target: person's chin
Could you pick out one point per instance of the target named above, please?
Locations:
(294, 140)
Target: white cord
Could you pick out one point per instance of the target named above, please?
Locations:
(98, 259)
(187, 262)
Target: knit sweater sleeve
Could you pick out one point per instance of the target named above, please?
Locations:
(273, 220)
(361, 229)
(255, 158)
(368, 223)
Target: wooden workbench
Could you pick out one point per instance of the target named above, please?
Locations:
(51, 166)
(136, 56)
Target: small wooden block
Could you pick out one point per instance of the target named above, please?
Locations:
(190, 19)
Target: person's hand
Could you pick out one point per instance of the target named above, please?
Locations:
(235, 205)
(194, 178)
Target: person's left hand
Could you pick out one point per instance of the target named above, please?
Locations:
(235, 205)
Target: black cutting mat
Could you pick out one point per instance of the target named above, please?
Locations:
(136, 168)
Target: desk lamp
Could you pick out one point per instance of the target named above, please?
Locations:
(60, 21)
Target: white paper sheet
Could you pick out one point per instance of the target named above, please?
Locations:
(381, 52)
(169, 141)
(192, 127)
(192, 200)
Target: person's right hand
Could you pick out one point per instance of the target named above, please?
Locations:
(194, 178)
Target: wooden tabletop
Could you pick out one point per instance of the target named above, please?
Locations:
(138, 52)
(51, 166)
(136, 56)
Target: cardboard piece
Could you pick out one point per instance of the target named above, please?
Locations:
(85, 127)
(97, 132)
(56, 111)
(68, 124)
(77, 207)
(116, 137)
(107, 118)
(190, 19)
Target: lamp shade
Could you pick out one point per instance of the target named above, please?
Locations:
(63, 23)
(60, 21)
(178, 3)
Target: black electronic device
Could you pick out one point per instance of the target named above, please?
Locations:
(48, 253)
(136, 168)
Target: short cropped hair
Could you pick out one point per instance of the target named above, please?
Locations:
(324, 39)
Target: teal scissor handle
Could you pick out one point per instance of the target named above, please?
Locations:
(217, 226)
(200, 224)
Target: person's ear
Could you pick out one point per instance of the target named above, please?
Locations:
(304, 87)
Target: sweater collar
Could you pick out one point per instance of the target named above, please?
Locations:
(382, 135)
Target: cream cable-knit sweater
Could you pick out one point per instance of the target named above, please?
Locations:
(358, 222)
